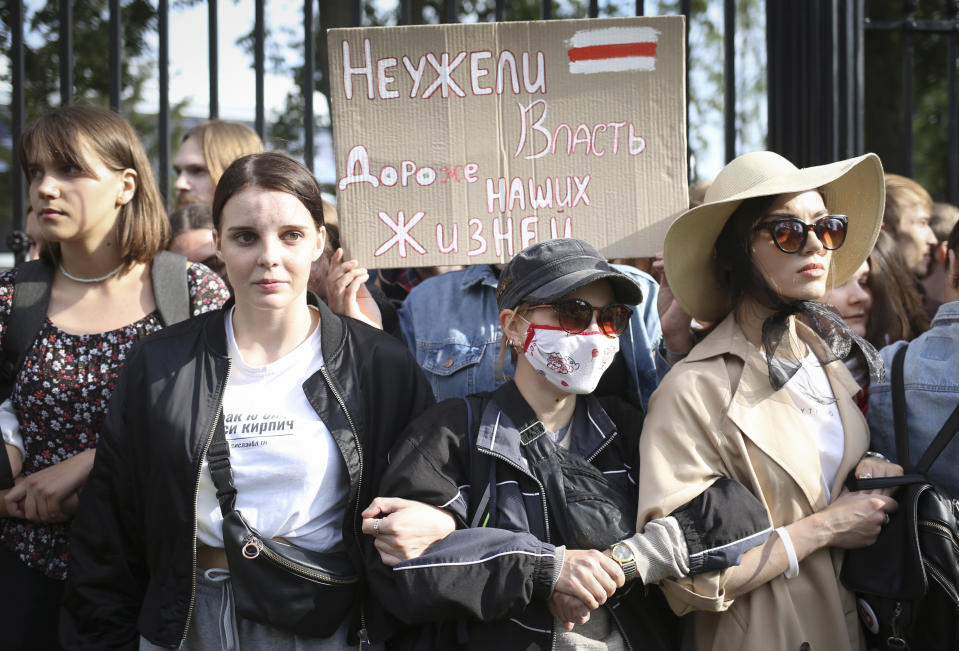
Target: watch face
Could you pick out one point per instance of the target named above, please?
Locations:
(621, 553)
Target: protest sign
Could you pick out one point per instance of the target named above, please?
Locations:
(462, 144)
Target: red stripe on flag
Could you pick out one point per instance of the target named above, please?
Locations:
(612, 51)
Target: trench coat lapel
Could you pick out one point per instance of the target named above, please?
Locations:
(772, 422)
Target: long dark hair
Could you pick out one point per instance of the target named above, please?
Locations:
(270, 170)
(897, 309)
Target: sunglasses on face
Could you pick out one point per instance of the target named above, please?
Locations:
(790, 233)
(575, 315)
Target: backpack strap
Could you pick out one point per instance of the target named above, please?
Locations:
(31, 297)
(899, 408)
(170, 290)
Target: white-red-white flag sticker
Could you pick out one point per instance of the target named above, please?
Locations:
(612, 49)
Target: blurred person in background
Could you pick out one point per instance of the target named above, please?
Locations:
(906, 217)
(944, 218)
(897, 309)
(205, 152)
(191, 235)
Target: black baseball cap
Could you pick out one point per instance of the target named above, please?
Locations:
(548, 270)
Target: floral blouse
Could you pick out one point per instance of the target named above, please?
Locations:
(61, 397)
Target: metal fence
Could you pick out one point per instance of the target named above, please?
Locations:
(809, 44)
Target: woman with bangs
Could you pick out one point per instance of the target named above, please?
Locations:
(103, 225)
(764, 399)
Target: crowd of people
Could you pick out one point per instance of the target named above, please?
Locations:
(221, 433)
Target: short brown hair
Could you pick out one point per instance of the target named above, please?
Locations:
(943, 217)
(222, 143)
(271, 170)
(69, 135)
(902, 192)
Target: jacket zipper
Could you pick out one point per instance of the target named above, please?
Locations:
(295, 568)
(363, 634)
(196, 497)
(605, 445)
(542, 491)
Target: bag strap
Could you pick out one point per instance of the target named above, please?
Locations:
(914, 474)
(218, 458)
(482, 473)
(899, 408)
(171, 291)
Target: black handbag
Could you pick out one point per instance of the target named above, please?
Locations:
(292, 589)
(907, 581)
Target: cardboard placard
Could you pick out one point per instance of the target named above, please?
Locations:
(462, 144)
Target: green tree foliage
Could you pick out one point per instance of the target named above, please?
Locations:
(885, 123)
(91, 69)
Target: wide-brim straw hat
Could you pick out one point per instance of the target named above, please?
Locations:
(852, 187)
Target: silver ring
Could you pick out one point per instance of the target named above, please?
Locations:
(885, 519)
(376, 527)
(865, 475)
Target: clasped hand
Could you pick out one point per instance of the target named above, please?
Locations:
(588, 578)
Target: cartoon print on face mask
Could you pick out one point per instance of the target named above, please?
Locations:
(561, 363)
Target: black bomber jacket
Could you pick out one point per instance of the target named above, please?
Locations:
(132, 557)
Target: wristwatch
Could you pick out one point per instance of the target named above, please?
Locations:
(623, 554)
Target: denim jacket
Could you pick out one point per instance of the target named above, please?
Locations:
(451, 323)
(931, 375)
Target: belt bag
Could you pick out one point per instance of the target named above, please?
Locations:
(907, 580)
(292, 589)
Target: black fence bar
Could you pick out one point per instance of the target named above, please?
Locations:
(546, 9)
(259, 62)
(729, 77)
(908, 56)
(952, 164)
(640, 7)
(16, 97)
(163, 119)
(452, 11)
(593, 8)
(357, 13)
(860, 76)
(66, 52)
(500, 10)
(213, 43)
(309, 65)
(406, 12)
(116, 43)
(835, 96)
(685, 8)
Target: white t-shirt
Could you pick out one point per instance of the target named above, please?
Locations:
(812, 393)
(290, 478)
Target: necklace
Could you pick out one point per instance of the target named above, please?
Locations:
(89, 280)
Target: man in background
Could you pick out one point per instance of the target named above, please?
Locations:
(205, 152)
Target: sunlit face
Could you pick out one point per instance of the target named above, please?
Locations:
(268, 241)
(853, 300)
(73, 205)
(916, 238)
(193, 181)
(794, 276)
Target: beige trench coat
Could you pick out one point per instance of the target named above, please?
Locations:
(716, 415)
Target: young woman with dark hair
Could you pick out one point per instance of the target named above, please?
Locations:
(760, 399)
(102, 223)
(303, 405)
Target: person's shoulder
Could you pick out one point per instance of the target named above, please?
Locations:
(450, 282)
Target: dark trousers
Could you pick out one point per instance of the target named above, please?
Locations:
(29, 606)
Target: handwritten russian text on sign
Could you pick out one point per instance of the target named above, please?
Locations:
(461, 144)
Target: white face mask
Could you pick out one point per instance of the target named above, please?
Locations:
(574, 363)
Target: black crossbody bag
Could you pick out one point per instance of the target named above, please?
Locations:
(907, 581)
(292, 589)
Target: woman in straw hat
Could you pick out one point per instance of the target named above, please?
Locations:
(760, 401)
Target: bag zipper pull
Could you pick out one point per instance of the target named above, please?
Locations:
(251, 548)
